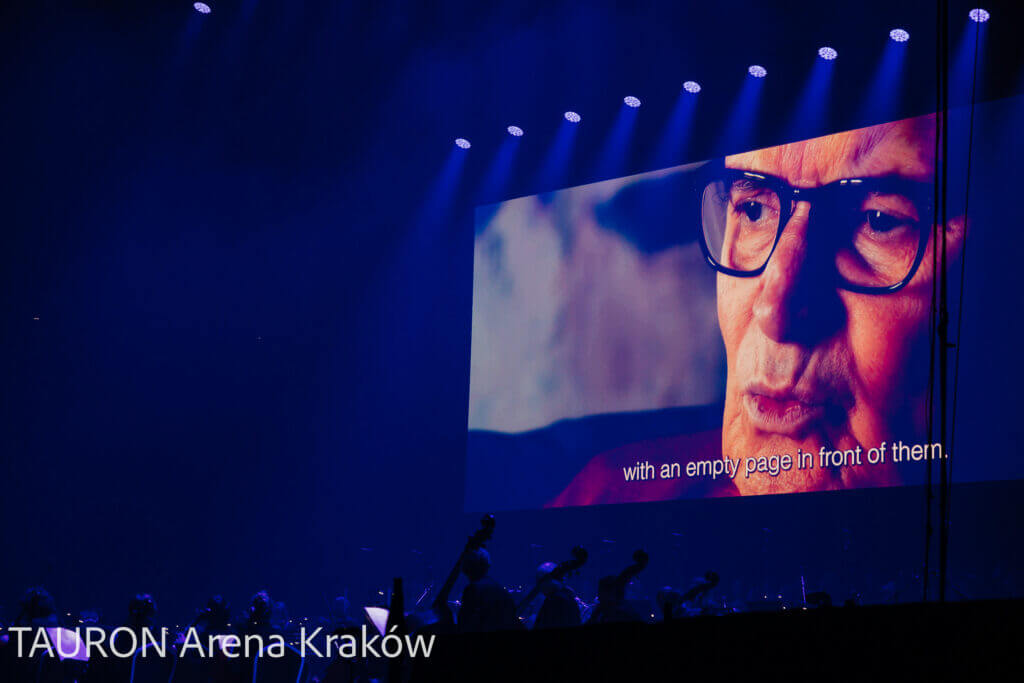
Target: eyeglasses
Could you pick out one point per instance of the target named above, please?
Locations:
(875, 228)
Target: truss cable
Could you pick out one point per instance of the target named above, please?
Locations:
(933, 314)
(948, 461)
(944, 314)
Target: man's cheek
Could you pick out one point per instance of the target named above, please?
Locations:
(884, 343)
(734, 306)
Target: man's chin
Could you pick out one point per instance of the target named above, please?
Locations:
(754, 444)
(751, 443)
(794, 481)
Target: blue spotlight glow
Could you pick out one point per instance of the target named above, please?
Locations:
(515, 131)
(828, 53)
(493, 182)
(741, 126)
(810, 115)
(968, 63)
(691, 87)
(437, 205)
(757, 71)
(979, 15)
(631, 101)
(671, 149)
(555, 167)
(462, 143)
(899, 35)
(202, 7)
(611, 162)
(887, 89)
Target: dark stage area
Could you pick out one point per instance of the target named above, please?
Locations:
(963, 639)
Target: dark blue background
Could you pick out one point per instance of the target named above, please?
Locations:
(250, 364)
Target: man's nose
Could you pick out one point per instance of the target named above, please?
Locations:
(798, 301)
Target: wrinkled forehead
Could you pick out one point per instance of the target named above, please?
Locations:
(905, 148)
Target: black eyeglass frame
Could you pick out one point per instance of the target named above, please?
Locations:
(788, 197)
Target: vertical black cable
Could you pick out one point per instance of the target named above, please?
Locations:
(944, 314)
(933, 314)
(963, 267)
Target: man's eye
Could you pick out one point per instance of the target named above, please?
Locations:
(879, 221)
(752, 210)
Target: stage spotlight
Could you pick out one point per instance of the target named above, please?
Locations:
(515, 131)
(979, 15)
(691, 87)
(899, 35)
(828, 53)
(462, 143)
(202, 7)
(631, 101)
(572, 117)
(757, 71)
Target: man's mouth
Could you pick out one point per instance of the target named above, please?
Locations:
(782, 411)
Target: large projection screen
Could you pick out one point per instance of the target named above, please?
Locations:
(754, 324)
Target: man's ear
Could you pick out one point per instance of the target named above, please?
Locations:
(956, 231)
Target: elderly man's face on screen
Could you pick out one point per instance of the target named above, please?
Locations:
(825, 263)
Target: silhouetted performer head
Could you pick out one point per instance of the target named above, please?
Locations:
(560, 608)
(476, 563)
(218, 610)
(547, 584)
(214, 618)
(37, 608)
(486, 605)
(260, 610)
(612, 605)
(668, 600)
(141, 611)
